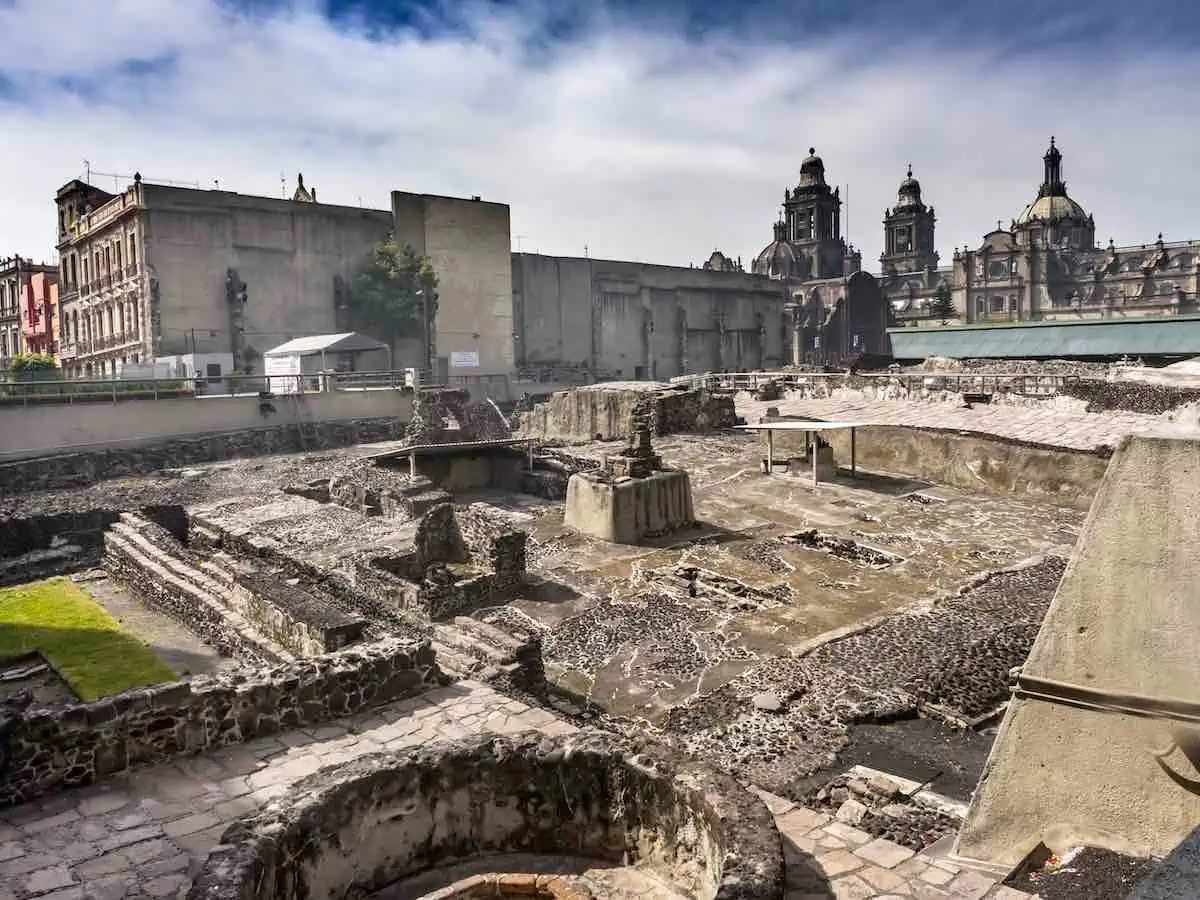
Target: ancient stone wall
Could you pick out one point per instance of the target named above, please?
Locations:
(78, 469)
(44, 750)
(612, 412)
(496, 546)
(245, 612)
(146, 559)
(37, 547)
(356, 828)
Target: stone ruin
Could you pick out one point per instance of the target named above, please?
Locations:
(446, 415)
(613, 410)
(463, 817)
(327, 612)
(632, 496)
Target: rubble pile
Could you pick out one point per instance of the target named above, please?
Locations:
(879, 807)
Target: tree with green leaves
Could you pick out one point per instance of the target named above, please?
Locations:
(29, 366)
(387, 297)
(942, 306)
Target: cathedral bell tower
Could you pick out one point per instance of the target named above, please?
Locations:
(813, 223)
(908, 232)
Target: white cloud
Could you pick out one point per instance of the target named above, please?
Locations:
(636, 143)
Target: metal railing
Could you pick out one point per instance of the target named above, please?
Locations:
(115, 390)
(1023, 383)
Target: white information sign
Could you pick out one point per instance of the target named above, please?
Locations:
(286, 370)
(464, 359)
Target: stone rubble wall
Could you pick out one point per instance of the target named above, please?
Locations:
(603, 412)
(496, 546)
(293, 616)
(80, 469)
(1130, 396)
(356, 828)
(45, 750)
(27, 534)
(379, 589)
(37, 547)
(362, 488)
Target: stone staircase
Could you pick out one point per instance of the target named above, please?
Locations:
(140, 556)
(469, 648)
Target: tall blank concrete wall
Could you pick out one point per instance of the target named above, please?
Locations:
(287, 253)
(469, 244)
(629, 320)
(1071, 764)
(39, 430)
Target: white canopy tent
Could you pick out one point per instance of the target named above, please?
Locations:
(313, 354)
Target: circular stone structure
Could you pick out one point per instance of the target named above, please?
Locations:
(354, 829)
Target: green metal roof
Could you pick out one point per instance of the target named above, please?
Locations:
(1159, 336)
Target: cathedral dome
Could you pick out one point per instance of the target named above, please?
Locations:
(812, 170)
(778, 258)
(910, 191)
(1052, 203)
(1052, 208)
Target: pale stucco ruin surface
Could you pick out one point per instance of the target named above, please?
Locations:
(1122, 632)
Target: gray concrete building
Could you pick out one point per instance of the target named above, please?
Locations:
(469, 243)
(594, 319)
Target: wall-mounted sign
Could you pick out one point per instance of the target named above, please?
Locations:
(464, 359)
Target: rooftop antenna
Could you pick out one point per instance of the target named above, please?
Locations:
(282, 184)
(87, 171)
(585, 251)
(518, 238)
(217, 183)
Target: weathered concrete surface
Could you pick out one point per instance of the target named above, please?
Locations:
(626, 510)
(1123, 626)
(39, 429)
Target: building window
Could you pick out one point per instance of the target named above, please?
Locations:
(996, 304)
(133, 250)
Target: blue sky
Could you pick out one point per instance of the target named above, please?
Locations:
(647, 129)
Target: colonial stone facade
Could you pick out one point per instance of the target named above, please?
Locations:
(835, 311)
(1044, 265)
(158, 270)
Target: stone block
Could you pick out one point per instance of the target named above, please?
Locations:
(624, 512)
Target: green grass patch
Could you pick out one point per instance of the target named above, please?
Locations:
(78, 637)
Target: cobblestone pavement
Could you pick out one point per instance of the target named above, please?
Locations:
(1034, 425)
(145, 835)
(830, 860)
